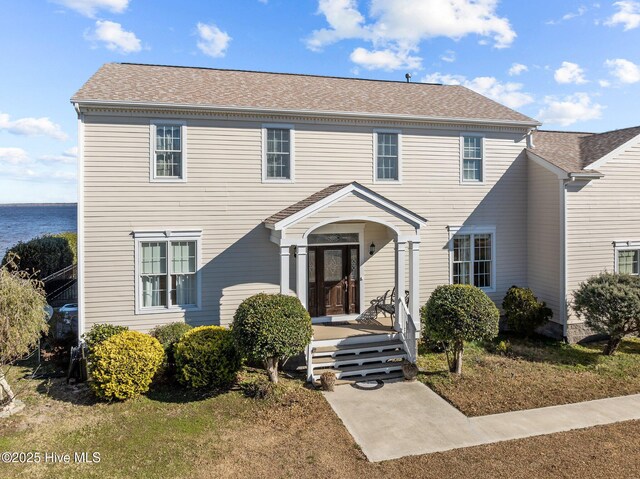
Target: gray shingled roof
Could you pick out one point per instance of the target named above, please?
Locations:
(300, 205)
(573, 151)
(207, 87)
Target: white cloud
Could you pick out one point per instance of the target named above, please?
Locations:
(32, 127)
(213, 41)
(70, 156)
(89, 8)
(115, 37)
(624, 70)
(568, 16)
(570, 73)
(387, 59)
(569, 110)
(449, 56)
(628, 14)
(604, 83)
(400, 25)
(509, 93)
(517, 68)
(13, 156)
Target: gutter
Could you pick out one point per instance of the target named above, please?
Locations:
(273, 111)
(593, 175)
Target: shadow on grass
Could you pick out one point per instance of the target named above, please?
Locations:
(542, 349)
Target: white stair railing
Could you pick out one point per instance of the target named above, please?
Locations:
(408, 331)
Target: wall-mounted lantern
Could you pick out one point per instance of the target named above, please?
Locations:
(372, 249)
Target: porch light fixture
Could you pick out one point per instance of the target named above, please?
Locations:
(372, 248)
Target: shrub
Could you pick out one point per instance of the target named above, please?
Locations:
(43, 255)
(207, 357)
(22, 321)
(259, 388)
(101, 332)
(458, 313)
(124, 365)
(169, 335)
(610, 304)
(523, 311)
(272, 328)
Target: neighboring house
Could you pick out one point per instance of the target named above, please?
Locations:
(200, 187)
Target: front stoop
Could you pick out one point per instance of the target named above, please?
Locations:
(359, 358)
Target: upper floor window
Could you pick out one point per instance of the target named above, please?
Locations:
(387, 165)
(278, 153)
(472, 259)
(167, 272)
(168, 155)
(472, 159)
(628, 261)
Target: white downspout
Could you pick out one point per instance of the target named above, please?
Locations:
(563, 257)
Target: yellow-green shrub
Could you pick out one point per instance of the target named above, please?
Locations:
(124, 365)
(207, 357)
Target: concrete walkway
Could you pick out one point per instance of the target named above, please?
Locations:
(407, 418)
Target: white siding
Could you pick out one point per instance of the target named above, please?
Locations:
(603, 211)
(224, 196)
(543, 232)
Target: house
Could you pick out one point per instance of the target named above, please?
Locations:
(200, 187)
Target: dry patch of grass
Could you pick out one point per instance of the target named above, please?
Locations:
(536, 373)
(294, 435)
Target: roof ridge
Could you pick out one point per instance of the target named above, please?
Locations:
(569, 132)
(276, 73)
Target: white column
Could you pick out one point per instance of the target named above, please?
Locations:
(301, 273)
(414, 281)
(400, 273)
(284, 269)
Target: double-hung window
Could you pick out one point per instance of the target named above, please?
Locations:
(278, 153)
(168, 151)
(387, 165)
(472, 258)
(472, 159)
(167, 266)
(627, 259)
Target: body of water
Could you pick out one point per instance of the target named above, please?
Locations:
(23, 222)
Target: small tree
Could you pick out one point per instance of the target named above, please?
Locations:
(610, 304)
(458, 313)
(271, 328)
(43, 255)
(22, 321)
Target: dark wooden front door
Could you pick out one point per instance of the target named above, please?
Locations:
(334, 280)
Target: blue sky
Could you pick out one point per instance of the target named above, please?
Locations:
(573, 65)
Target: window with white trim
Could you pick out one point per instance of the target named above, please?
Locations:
(278, 154)
(387, 156)
(628, 261)
(168, 151)
(167, 273)
(472, 159)
(472, 259)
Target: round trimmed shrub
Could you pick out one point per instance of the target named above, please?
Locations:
(124, 365)
(523, 311)
(272, 328)
(206, 356)
(169, 335)
(610, 304)
(101, 332)
(457, 313)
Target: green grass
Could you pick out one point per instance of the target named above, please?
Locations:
(534, 373)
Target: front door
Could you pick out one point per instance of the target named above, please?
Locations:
(333, 280)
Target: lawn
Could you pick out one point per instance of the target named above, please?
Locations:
(175, 434)
(535, 373)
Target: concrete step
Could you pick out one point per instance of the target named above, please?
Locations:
(357, 359)
(341, 349)
(357, 372)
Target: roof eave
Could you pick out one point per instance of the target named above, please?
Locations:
(320, 113)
